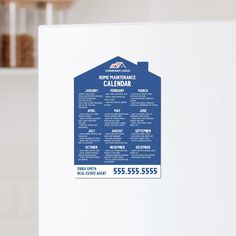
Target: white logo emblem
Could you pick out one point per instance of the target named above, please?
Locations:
(118, 65)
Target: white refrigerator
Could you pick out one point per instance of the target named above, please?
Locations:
(137, 129)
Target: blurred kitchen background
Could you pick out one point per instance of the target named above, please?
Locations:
(18, 83)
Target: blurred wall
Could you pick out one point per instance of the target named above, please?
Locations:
(92, 11)
(18, 154)
(18, 102)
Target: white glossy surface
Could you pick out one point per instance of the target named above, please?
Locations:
(197, 192)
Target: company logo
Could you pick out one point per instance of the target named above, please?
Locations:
(117, 65)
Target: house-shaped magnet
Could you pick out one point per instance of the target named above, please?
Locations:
(117, 115)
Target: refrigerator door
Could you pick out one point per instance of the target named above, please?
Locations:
(196, 190)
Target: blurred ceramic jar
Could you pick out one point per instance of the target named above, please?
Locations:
(20, 22)
(54, 11)
(19, 31)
